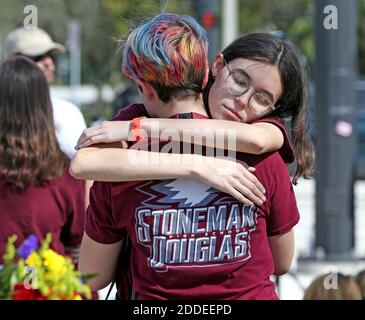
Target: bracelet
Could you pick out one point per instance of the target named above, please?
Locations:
(135, 129)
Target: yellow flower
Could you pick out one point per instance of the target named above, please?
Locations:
(78, 297)
(33, 260)
(55, 262)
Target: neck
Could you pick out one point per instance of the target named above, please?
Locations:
(174, 106)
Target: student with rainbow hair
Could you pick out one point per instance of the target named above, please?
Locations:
(189, 240)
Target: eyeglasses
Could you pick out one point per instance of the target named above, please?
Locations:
(237, 84)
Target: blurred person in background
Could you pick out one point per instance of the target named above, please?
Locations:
(345, 288)
(38, 195)
(125, 97)
(360, 280)
(38, 46)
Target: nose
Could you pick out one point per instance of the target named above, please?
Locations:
(244, 99)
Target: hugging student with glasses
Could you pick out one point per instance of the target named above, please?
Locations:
(238, 84)
(253, 85)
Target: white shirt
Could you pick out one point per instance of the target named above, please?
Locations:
(69, 123)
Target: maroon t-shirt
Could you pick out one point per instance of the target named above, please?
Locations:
(58, 208)
(191, 241)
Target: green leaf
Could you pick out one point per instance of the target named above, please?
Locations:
(6, 274)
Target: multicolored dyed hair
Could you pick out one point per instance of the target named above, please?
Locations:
(170, 53)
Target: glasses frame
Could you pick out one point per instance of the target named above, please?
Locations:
(270, 108)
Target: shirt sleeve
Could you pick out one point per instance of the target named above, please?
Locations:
(73, 230)
(130, 112)
(100, 224)
(283, 210)
(286, 151)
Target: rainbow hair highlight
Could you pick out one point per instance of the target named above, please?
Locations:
(169, 52)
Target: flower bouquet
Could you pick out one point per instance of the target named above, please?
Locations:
(34, 272)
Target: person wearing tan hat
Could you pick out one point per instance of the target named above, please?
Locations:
(37, 45)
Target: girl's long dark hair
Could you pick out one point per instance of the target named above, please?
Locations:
(294, 102)
(29, 153)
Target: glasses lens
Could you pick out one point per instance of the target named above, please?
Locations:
(236, 83)
(260, 103)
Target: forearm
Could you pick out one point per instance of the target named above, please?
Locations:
(117, 165)
(100, 259)
(110, 164)
(222, 134)
(282, 250)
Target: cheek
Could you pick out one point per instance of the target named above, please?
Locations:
(214, 99)
(216, 93)
(40, 65)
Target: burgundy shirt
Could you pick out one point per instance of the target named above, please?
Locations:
(191, 241)
(58, 208)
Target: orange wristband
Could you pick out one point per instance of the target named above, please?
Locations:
(135, 129)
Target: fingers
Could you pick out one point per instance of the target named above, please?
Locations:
(245, 183)
(239, 196)
(87, 134)
(253, 188)
(247, 173)
(92, 140)
(248, 194)
(248, 185)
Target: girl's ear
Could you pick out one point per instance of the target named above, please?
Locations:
(206, 77)
(217, 65)
(146, 89)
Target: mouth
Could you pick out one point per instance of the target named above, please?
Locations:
(232, 114)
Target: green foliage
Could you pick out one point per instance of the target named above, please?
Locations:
(52, 274)
(5, 281)
(294, 17)
(104, 22)
(361, 35)
(9, 270)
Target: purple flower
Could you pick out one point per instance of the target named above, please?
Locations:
(30, 244)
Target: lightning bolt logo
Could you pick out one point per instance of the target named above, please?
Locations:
(184, 192)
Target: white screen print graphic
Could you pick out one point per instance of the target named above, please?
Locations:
(186, 223)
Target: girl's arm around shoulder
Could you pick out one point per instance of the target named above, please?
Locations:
(256, 138)
(268, 137)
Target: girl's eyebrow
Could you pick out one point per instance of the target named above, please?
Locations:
(249, 78)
